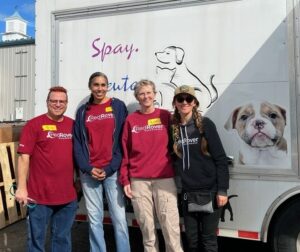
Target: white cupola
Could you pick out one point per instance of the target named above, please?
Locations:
(15, 28)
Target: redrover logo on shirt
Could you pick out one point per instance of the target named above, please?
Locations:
(189, 141)
(100, 117)
(137, 129)
(59, 135)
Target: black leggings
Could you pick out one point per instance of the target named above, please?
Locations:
(200, 230)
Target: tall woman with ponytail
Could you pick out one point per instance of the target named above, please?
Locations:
(97, 151)
(201, 165)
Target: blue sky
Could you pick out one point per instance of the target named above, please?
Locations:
(26, 9)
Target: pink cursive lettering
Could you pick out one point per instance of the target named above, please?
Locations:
(105, 49)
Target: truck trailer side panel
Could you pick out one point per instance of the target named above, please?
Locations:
(241, 56)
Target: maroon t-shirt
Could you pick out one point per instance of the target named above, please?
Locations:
(51, 171)
(100, 125)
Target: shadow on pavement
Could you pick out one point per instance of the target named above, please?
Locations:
(13, 239)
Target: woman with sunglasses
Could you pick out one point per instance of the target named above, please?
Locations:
(146, 172)
(201, 165)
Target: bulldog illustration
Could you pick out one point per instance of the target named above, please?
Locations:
(260, 127)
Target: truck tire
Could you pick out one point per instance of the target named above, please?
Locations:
(285, 229)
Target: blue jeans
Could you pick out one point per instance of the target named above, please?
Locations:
(61, 218)
(93, 195)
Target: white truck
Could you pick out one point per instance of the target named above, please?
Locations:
(242, 56)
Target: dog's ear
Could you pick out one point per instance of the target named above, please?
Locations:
(230, 124)
(283, 112)
(179, 55)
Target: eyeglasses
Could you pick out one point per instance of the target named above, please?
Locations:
(181, 98)
(64, 102)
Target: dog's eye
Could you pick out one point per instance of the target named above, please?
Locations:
(273, 115)
(244, 117)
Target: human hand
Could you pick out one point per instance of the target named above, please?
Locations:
(127, 191)
(221, 200)
(21, 196)
(98, 174)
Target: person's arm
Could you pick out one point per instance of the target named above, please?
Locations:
(170, 134)
(79, 144)
(218, 155)
(22, 174)
(116, 160)
(124, 173)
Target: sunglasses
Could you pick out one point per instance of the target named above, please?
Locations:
(181, 98)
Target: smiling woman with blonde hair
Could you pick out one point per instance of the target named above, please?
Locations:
(147, 174)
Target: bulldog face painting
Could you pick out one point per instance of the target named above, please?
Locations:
(260, 127)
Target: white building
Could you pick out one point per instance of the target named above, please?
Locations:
(17, 70)
(15, 28)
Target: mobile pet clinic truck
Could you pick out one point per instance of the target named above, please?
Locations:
(242, 56)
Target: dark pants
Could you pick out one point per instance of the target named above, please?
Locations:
(61, 218)
(200, 230)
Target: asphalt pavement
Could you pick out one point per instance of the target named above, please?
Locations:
(13, 239)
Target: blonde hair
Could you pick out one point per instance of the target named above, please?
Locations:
(141, 84)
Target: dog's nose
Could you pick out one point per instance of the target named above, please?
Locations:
(259, 124)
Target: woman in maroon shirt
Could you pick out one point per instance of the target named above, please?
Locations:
(146, 172)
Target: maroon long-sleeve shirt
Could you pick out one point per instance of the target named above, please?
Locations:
(145, 145)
